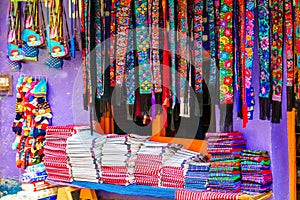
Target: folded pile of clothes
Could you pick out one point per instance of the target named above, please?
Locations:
(84, 151)
(225, 168)
(256, 172)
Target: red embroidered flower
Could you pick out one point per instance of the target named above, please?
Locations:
(278, 90)
(279, 75)
(228, 32)
(228, 64)
(228, 17)
(227, 80)
(228, 2)
(250, 15)
(247, 72)
(250, 43)
(228, 96)
(228, 48)
(298, 45)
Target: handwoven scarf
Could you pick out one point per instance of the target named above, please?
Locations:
(249, 48)
(276, 63)
(297, 58)
(113, 29)
(288, 27)
(237, 66)
(198, 29)
(264, 58)
(123, 22)
(130, 69)
(98, 49)
(142, 37)
(182, 47)
(226, 64)
(172, 49)
(212, 42)
(155, 46)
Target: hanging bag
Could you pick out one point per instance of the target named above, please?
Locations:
(14, 46)
(32, 34)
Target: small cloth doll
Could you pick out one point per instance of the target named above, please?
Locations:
(43, 117)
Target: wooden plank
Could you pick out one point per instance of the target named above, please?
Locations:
(291, 121)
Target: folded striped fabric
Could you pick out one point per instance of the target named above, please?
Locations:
(196, 195)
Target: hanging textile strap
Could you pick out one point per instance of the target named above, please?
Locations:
(183, 55)
(123, 22)
(212, 43)
(242, 60)
(182, 50)
(198, 30)
(289, 56)
(276, 63)
(264, 58)
(166, 65)
(155, 47)
(249, 49)
(113, 28)
(172, 49)
(130, 68)
(198, 53)
(237, 67)
(297, 59)
(143, 46)
(98, 49)
(226, 64)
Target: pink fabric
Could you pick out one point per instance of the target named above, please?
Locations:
(196, 195)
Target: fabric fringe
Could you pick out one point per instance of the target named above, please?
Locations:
(264, 108)
(290, 100)
(145, 103)
(226, 117)
(198, 105)
(298, 114)
(276, 112)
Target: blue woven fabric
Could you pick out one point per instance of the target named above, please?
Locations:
(136, 190)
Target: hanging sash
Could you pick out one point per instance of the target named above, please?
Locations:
(198, 30)
(289, 56)
(172, 49)
(277, 62)
(212, 43)
(226, 52)
(123, 22)
(143, 46)
(249, 51)
(264, 58)
(130, 68)
(155, 47)
(297, 59)
(113, 29)
(226, 64)
(182, 56)
(98, 49)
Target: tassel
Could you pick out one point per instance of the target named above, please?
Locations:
(245, 115)
(276, 112)
(118, 95)
(264, 106)
(298, 113)
(130, 112)
(226, 117)
(290, 101)
(153, 107)
(145, 103)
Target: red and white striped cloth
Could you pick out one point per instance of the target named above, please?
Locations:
(196, 195)
(55, 159)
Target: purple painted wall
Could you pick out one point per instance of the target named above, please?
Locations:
(66, 104)
(65, 96)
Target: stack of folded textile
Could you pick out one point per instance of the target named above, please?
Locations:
(256, 172)
(115, 160)
(84, 152)
(34, 173)
(173, 170)
(225, 170)
(197, 174)
(55, 158)
(149, 162)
